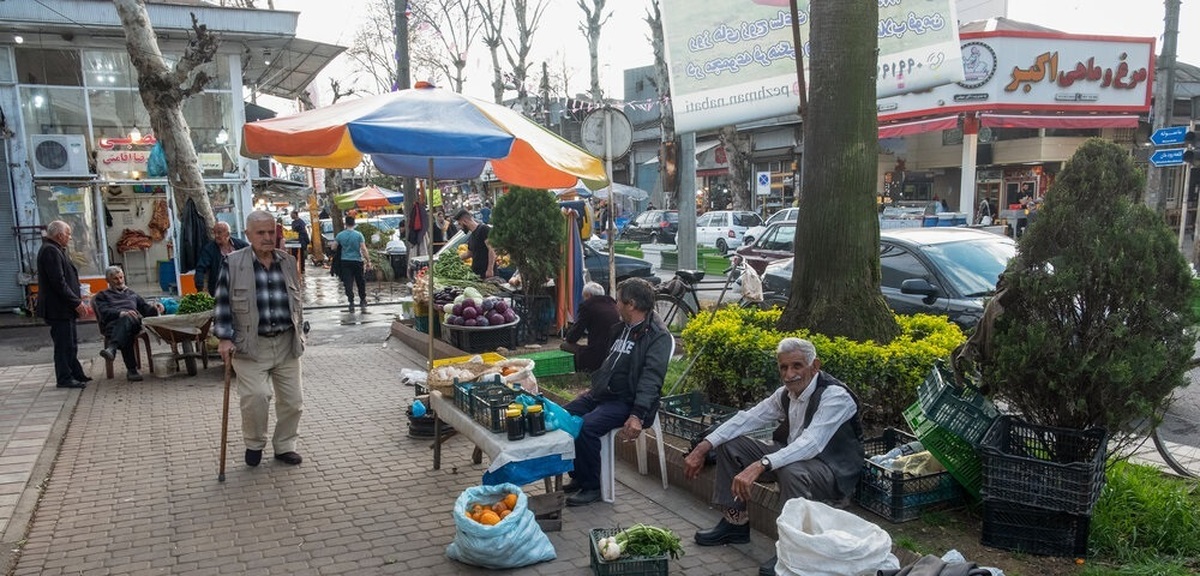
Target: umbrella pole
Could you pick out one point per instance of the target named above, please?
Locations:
(429, 275)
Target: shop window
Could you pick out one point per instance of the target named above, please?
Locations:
(116, 112)
(207, 114)
(73, 204)
(48, 110)
(6, 69)
(48, 67)
(108, 69)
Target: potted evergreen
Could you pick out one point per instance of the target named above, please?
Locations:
(1091, 332)
(528, 225)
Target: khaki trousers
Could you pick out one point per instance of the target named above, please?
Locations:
(275, 370)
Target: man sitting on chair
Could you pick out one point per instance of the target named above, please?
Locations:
(119, 311)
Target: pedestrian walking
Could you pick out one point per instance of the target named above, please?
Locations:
(355, 259)
(257, 318)
(300, 227)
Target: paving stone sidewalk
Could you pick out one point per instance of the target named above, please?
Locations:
(134, 488)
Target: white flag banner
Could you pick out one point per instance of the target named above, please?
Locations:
(734, 61)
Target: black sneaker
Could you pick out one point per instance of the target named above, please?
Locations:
(109, 353)
(133, 375)
(72, 384)
(724, 533)
(253, 457)
(584, 497)
(572, 487)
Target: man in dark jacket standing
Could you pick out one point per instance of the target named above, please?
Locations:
(625, 390)
(213, 255)
(60, 303)
(301, 230)
(816, 453)
(595, 319)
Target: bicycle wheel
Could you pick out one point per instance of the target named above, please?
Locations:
(674, 313)
(1177, 438)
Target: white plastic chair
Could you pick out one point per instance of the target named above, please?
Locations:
(608, 479)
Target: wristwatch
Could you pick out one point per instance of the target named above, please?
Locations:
(766, 462)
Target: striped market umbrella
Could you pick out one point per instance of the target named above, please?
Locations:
(368, 198)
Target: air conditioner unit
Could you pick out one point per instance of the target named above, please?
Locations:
(59, 155)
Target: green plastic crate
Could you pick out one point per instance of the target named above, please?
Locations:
(550, 362)
(959, 457)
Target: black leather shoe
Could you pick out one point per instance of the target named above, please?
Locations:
(289, 458)
(572, 487)
(109, 353)
(724, 533)
(72, 384)
(584, 497)
(253, 457)
(83, 379)
(133, 375)
(768, 568)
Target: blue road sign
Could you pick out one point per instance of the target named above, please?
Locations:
(1167, 157)
(1168, 136)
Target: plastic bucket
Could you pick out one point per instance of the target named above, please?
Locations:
(945, 218)
(929, 221)
(960, 218)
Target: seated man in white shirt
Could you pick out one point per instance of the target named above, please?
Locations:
(817, 451)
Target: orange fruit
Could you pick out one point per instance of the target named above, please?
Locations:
(505, 514)
(510, 500)
(476, 509)
(489, 518)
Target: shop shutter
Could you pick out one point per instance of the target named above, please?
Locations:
(11, 293)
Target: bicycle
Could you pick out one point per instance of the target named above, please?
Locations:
(1175, 438)
(678, 300)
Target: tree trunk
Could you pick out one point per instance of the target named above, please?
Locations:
(163, 92)
(593, 23)
(666, 116)
(835, 281)
(738, 151)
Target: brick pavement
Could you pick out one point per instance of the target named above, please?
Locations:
(134, 488)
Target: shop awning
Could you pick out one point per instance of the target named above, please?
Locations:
(1057, 121)
(917, 127)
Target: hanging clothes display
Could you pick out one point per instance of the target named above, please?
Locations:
(193, 235)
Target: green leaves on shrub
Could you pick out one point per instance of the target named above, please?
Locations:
(1096, 321)
(528, 225)
(738, 366)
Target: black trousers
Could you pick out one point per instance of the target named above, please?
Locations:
(352, 275)
(123, 334)
(66, 351)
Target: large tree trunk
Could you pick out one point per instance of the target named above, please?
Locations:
(667, 161)
(594, 20)
(835, 281)
(163, 91)
(738, 152)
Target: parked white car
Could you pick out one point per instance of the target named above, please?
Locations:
(785, 215)
(724, 229)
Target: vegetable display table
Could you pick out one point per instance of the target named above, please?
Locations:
(185, 333)
(519, 462)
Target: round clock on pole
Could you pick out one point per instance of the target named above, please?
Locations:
(605, 126)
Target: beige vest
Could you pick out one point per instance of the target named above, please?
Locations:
(244, 304)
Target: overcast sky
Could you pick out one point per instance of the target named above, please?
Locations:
(624, 43)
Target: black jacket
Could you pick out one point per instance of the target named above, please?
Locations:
(109, 305)
(58, 283)
(645, 364)
(210, 264)
(595, 320)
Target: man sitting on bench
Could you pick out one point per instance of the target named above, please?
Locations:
(119, 311)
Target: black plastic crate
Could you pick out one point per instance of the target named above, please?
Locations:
(896, 495)
(476, 339)
(624, 566)
(1042, 466)
(689, 415)
(964, 411)
(489, 403)
(1011, 526)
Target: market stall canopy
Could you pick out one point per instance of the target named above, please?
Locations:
(427, 132)
(584, 191)
(368, 198)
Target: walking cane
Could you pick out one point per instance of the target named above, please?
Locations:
(225, 418)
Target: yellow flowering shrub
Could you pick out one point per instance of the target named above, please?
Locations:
(738, 363)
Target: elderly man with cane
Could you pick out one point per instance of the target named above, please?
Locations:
(258, 319)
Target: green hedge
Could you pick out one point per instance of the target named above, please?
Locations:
(738, 363)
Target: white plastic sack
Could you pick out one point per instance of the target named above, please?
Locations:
(751, 285)
(515, 541)
(818, 540)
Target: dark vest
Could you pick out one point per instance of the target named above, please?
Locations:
(844, 453)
